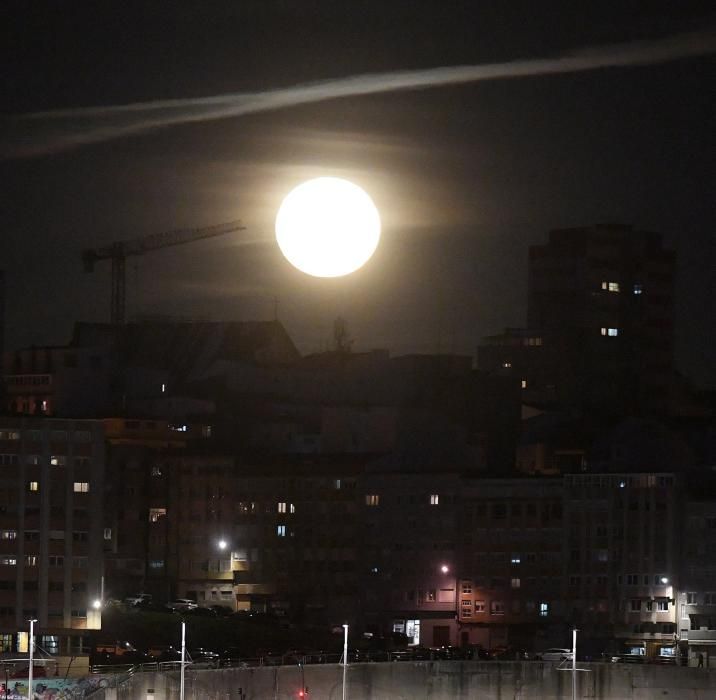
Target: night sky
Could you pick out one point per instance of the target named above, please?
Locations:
(466, 177)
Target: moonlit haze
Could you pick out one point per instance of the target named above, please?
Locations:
(327, 227)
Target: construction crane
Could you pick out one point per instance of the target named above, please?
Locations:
(119, 252)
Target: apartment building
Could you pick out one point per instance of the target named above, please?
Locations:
(51, 533)
(697, 597)
(510, 571)
(621, 559)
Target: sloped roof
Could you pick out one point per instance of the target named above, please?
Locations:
(184, 347)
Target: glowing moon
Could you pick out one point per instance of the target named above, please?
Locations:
(327, 227)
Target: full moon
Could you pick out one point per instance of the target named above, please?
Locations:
(327, 227)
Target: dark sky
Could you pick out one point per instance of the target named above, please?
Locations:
(465, 177)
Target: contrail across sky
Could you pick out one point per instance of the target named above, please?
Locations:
(43, 133)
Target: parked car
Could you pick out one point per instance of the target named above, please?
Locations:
(200, 612)
(181, 604)
(221, 610)
(137, 598)
(204, 656)
(149, 606)
(555, 654)
(421, 654)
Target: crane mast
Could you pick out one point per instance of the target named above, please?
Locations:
(119, 251)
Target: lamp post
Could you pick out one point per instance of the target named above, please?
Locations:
(32, 648)
(183, 657)
(345, 658)
(445, 570)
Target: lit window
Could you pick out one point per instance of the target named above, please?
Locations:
(156, 563)
(467, 608)
(337, 484)
(515, 559)
(8, 534)
(479, 606)
(81, 487)
(544, 609)
(430, 595)
(610, 332)
(635, 605)
(506, 365)
(467, 587)
(8, 561)
(156, 514)
(58, 460)
(372, 499)
(164, 388)
(434, 499)
(524, 383)
(34, 486)
(638, 289)
(662, 605)
(291, 508)
(281, 530)
(31, 560)
(282, 507)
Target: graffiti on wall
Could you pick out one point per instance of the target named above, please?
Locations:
(50, 689)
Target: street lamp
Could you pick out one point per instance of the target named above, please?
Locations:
(97, 604)
(222, 544)
(445, 568)
(32, 645)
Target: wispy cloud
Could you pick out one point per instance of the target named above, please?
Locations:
(42, 133)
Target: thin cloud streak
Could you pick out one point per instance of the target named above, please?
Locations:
(89, 125)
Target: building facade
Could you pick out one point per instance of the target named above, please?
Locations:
(51, 533)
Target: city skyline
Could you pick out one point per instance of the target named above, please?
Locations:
(466, 177)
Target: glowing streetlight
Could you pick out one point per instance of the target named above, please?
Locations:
(444, 568)
(664, 580)
(222, 544)
(97, 604)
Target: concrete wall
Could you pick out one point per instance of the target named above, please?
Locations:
(446, 680)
